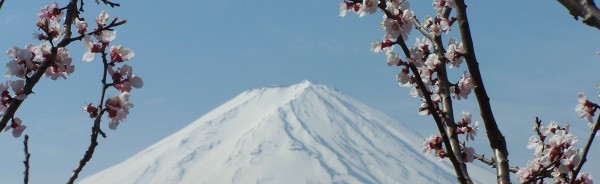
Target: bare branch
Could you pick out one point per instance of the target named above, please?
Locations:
(585, 9)
(491, 162)
(96, 127)
(26, 162)
(495, 137)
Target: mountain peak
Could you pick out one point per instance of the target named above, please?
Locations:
(302, 133)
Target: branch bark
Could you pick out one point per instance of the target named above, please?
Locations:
(495, 137)
(26, 162)
(586, 9)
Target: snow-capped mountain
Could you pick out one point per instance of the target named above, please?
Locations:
(304, 133)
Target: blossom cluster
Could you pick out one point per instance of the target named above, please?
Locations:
(554, 151)
(55, 62)
(123, 78)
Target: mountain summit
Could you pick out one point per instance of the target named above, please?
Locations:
(303, 133)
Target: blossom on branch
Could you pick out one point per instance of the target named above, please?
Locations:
(585, 107)
(118, 108)
(119, 54)
(123, 78)
(468, 127)
(16, 126)
(463, 88)
(455, 53)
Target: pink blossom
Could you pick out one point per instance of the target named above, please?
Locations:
(585, 107)
(467, 154)
(81, 26)
(584, 178)
(385, 45)
(432, 61)
(102, 18)
(123, 78)
(368, 6)
(467, 127)
(455, 53)
(16, 126)
(463, 88)
(393, 59)
(22, 61)
(61, 67)
(50, 12)
(119, 54)
(403, 79)
(17, 87)
(431, 144)
(118, 108)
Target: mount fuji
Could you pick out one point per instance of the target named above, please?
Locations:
(303, 133)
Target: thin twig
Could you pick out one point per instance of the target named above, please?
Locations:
(26, 162)
(491, 162)
(96, 130)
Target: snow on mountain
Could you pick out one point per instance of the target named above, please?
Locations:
(304, 133)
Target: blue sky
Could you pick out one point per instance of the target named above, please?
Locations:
(195, 55)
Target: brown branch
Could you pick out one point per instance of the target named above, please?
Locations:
(586, 149)
(585, 9)
(491, 162)
(96, 128)
(495, 137)
(26, 162)
(444, 92)
(1, 3)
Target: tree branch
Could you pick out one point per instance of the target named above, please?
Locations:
(96, 127)
(35, 78)
(491, 162)
(586, 149)
(585, 9)
(26, 162)
(495, 137)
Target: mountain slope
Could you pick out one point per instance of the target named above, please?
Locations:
(304, 133)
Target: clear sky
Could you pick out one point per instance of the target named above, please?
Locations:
(195, 55)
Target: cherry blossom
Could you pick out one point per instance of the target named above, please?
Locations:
(468, 127)
(385, 45)
(585, 107)
(393, 59)
(584, 178)
(50, 12)
(403, 79)
(81, 26)
(367, 7)
(455, 53)
(22, 62)
(119, 54)
(102, 18)
(463, 88)
(92, 110)
(118, 108)
(123, 78)
(16, 126)
(432, 144)
(361, 8)
(61, 67)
